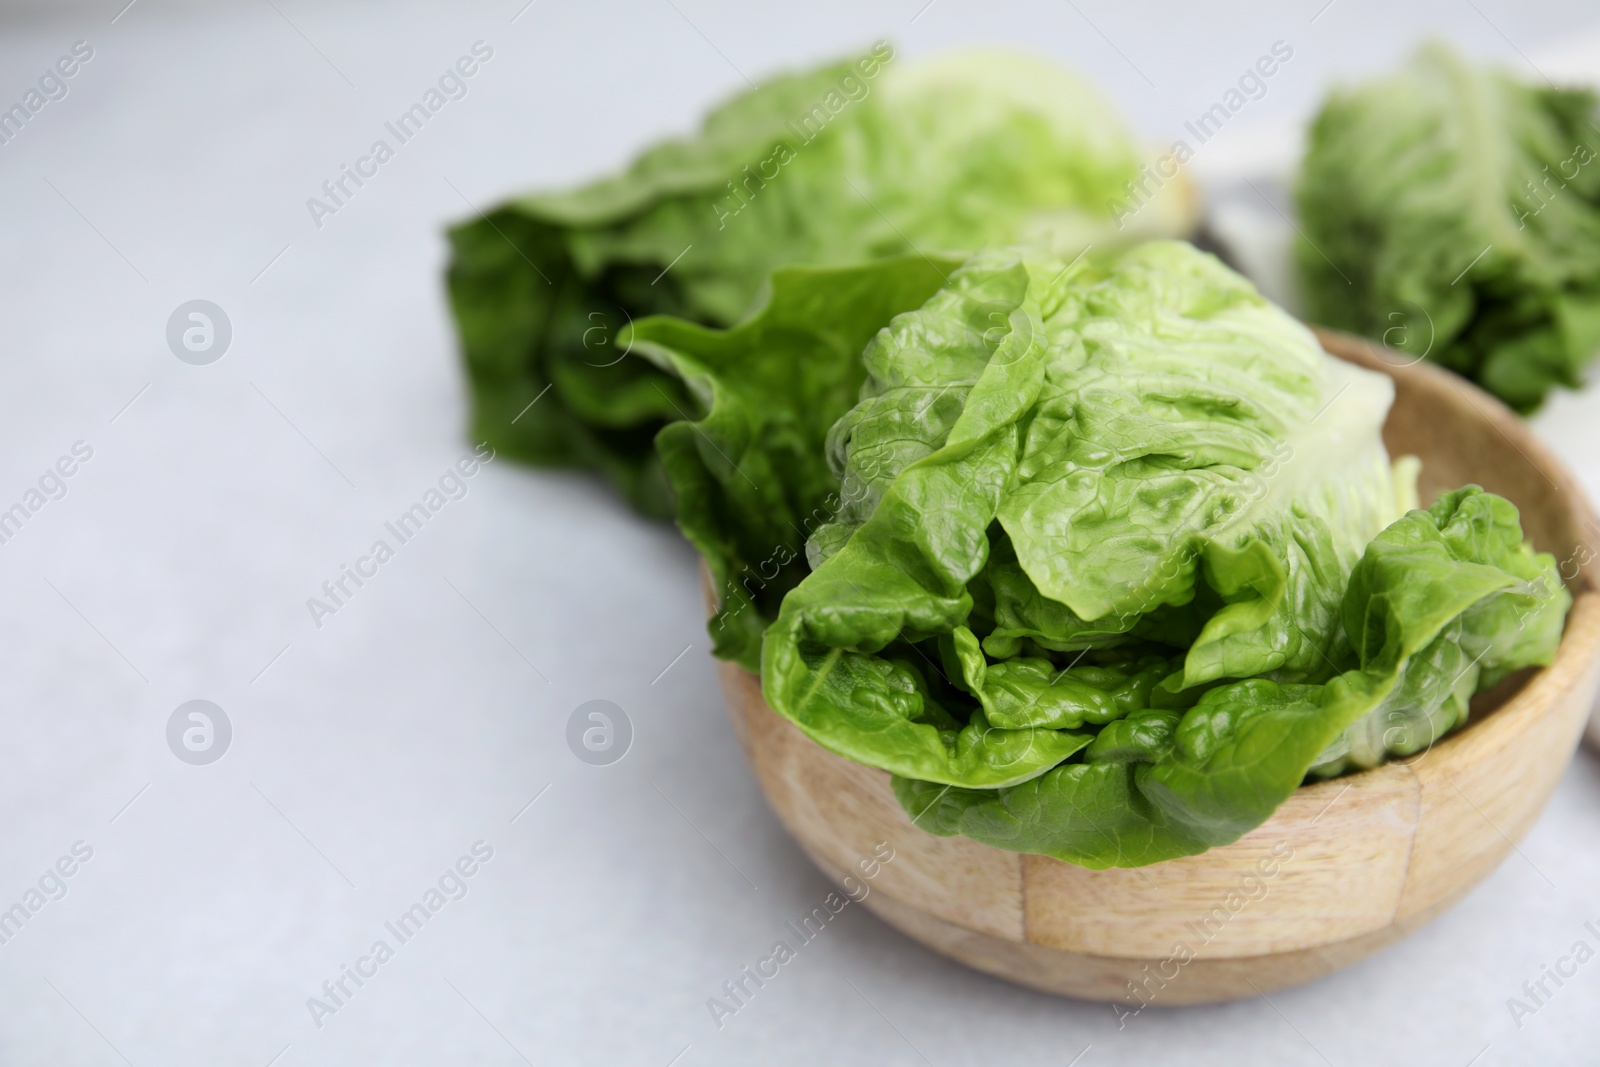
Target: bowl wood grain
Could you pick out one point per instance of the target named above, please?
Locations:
(1354, 863)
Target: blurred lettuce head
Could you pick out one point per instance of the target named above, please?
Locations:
(869, 158)
(1453, 211)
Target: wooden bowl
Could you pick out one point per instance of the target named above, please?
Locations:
(1341, 869)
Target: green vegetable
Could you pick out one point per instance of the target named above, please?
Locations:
(1454, 213)
(1123, 558)
(853, 162)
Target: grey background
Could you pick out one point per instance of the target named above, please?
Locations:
(369, 754)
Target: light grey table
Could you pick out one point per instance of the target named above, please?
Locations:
(426, 717)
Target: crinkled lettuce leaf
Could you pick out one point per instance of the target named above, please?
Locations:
(858, 160)
(1452, 600)
(1156, 785)
(1454, 213)
(1193, 437)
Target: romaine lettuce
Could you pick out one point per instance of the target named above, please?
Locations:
(855, 161)
(1125, 558)
(1454, 213)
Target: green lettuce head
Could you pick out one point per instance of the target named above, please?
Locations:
(1454, 213)
(1119, 557)
(861, 160)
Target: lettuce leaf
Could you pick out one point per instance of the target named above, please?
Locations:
(1454, 213)
(1451, 600)
(1164, 784)
(855, 161)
